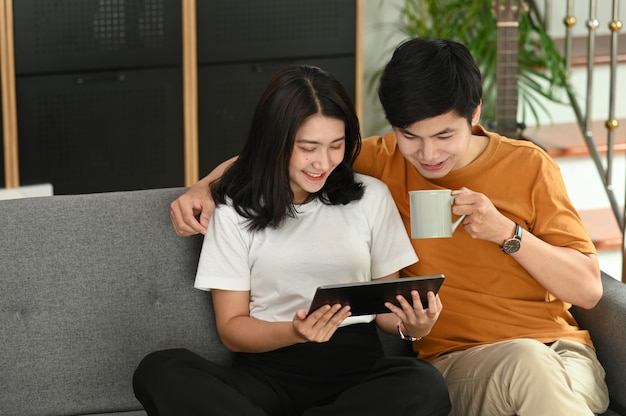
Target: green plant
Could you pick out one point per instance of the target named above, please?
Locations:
(541, 66)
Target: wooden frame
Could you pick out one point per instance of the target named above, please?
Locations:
(190, 91)
(358, 61)
(9, 103)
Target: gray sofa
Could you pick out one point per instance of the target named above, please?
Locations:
(91, 283)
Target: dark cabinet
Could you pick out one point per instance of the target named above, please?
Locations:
(99, 83)
(99, 93)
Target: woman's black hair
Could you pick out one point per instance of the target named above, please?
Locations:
(257, 183)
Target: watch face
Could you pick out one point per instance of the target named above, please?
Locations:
(511, 246)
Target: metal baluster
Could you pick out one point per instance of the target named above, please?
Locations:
(547, 15)
(615, 25)
(569, 21)
(592, 27)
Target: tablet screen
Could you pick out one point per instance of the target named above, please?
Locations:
(366, 298)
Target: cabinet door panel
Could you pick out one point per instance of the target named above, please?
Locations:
(244, 30)
(70, 35)
(104, 131)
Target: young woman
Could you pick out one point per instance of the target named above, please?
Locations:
(290, 216)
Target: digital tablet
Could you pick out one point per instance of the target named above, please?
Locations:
(366, 298)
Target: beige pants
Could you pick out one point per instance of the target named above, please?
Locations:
(525, 377)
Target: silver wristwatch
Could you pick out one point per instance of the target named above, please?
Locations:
(406, 337)
(512, 245)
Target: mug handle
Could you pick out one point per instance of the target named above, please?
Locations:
(456, 223)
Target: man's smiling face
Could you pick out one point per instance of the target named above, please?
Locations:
(439, 145)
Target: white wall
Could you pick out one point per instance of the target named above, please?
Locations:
(380, 36)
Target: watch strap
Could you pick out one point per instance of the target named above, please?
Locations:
(406, 337)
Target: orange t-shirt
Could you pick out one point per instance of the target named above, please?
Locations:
(487, 295)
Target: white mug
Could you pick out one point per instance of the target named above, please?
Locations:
(431, 213)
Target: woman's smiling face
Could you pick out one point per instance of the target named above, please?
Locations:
(319, 147)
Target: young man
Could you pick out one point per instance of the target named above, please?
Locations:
(505, 341)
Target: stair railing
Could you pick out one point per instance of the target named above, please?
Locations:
(583, 117)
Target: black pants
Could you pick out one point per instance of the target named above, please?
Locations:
(342, 377)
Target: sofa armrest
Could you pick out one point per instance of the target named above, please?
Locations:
(606, 323)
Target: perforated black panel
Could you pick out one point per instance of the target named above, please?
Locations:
(67, 35)
(227, 98)
(242, 30)
(86, 129)
(109, 131)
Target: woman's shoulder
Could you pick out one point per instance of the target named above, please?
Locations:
(226, 210)
(371, 184)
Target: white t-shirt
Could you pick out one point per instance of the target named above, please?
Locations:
(323, 244)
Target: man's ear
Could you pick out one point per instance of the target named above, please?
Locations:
(476, 114)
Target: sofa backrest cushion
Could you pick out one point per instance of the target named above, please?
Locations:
(606, 323)
(89, 285)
